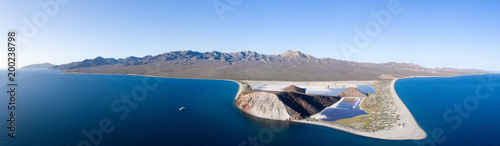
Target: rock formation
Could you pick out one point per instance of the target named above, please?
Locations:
(263, 105)
(290, 104)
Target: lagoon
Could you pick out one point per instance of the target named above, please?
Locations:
(343, 110)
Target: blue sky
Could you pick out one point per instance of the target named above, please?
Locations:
(459, 34)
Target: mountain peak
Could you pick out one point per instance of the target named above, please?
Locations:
(296, 55)
(292, 53)
(293, 88)
(291, 65)
(247, 52)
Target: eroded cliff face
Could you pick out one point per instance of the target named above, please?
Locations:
(263, 105)
(290, 104)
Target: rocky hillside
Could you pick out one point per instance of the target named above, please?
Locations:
(249, 65)
(290, 104)
(294, 89)
(352, 92)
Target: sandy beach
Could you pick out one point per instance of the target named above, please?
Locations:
(240, 88)
(410, 131)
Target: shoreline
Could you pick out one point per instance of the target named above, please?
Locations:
(240, 88)
(395, 133)
(411, 131)
(149, 76)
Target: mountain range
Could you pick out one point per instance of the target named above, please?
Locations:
(250, 65)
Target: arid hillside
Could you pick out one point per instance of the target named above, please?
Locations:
(290, 104)
(248, 65)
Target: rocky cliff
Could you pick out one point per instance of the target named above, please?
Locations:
(263, 105)
(290, 104)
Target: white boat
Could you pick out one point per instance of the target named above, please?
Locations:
(182, 108)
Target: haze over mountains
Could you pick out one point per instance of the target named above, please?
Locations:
(249, 65)
(41, 65)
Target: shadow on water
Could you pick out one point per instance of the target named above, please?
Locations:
(266, 122)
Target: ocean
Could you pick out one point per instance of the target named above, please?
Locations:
(90, 109)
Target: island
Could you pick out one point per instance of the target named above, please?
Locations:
(336, 104)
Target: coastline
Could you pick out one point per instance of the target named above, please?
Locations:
(240, 86)
(150, 76)
(411, 131)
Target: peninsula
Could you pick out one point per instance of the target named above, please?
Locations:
(385, 116)
(354, 97)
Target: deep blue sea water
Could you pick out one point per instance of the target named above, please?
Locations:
(54, 109)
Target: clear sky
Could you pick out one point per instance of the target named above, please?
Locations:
(460, 34)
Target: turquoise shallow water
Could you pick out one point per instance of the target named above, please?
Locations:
(57, 109)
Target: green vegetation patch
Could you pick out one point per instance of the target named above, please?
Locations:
(381, 109)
